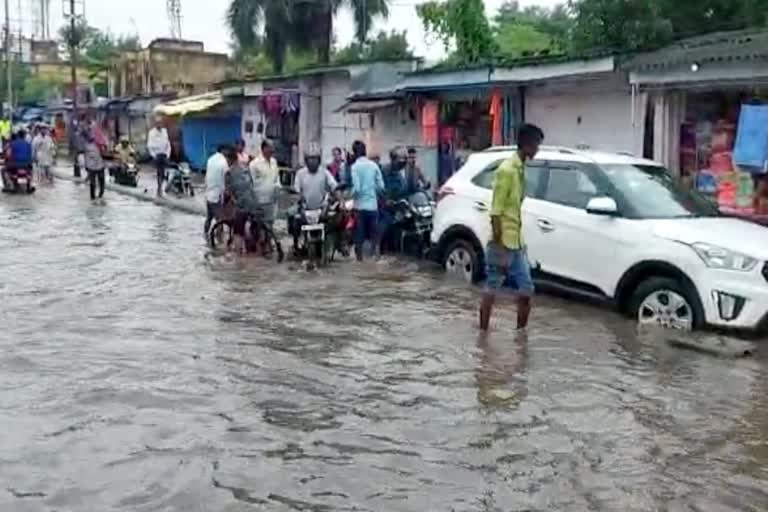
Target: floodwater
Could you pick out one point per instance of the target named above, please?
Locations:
(138, 374)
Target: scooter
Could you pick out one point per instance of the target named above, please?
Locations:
(180, 180)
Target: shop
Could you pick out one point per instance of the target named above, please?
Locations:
(708, 106)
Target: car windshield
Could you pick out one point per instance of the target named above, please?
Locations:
(652, 193)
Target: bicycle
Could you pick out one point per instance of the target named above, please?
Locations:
(262, 236)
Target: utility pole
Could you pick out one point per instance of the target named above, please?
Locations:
(73, 49)
(8, 71)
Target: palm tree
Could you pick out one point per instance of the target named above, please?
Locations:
(304, 24)
(245, 17)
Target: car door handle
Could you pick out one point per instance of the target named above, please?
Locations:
(481, 206)
(545, 225)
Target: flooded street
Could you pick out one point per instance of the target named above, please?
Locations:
(139, 374)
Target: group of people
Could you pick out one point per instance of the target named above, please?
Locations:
(32, 150)
(254, 183)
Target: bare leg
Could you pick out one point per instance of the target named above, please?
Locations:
(523, 312)
(486, 309)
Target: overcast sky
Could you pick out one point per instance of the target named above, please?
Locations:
(204, 20)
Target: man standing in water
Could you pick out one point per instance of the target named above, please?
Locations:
(159, 147)
(506, 253)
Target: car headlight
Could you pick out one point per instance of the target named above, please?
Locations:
(720, 258)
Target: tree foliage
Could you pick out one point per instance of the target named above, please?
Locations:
(641, 24)
(274, 26)
(384, 46)
(461, 23)
(533, 29)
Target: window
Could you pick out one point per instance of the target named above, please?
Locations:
(533, 174)
(569, 185)
(650, 192)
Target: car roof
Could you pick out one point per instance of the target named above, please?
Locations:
(575, 155)
(480, 160)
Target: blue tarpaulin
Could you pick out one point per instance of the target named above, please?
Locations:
(751, 148)
(201, 135)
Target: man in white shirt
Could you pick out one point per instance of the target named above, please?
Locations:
(44, 150)
(159, 147)
(266, 179)
(215, 170)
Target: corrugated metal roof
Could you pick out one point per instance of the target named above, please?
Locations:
(190, 104)
(718, 46)
(359, 106)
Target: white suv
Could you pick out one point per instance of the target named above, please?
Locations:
(615, 228)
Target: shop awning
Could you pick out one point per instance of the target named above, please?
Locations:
(365, 106)
(190, 104)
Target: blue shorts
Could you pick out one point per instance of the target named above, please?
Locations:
(508, 267)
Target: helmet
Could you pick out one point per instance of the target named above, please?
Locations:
(124, 138)
(313, 151)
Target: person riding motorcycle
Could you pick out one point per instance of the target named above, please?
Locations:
(19, 156)
(395, 189)
(125, 153)
(312, 184)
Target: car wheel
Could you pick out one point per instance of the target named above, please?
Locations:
(668, 303)
(462, 260)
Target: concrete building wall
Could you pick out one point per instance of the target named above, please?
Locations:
(338, 129)
(185, 72)
(589, 114)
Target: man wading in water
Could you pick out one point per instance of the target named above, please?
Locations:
(506, 253)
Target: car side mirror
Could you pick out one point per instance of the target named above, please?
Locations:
(602, 206)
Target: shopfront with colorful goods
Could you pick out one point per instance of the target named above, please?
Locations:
(708, 106)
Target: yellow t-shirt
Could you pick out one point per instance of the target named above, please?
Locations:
(508, 195)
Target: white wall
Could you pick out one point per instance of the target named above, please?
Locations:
(338, 129)
(594, 114)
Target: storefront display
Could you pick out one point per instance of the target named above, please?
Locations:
(720, 146)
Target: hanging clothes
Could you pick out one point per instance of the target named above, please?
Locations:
(497, 116)
(430, 113)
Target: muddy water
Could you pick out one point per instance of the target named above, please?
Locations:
(138, 374)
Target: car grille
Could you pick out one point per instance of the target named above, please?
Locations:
(765, 271)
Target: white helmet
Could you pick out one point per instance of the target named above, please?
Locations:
(313, 150)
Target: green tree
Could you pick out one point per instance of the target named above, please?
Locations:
(384, 46)
(533, 29)
(305, 25)
(619, 24)
(641, 24)
(463, 23)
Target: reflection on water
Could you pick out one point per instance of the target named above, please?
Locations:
(140, 374)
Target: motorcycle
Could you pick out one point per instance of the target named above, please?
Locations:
(125, 174)
(19, 182)
(180, 179)
(321, 231)
(413, 218)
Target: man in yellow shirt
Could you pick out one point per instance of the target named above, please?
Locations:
(506, 254)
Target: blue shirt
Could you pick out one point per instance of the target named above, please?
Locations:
(394, 181)
(21, 152)
(367, 183)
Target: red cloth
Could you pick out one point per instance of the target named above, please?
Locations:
(430, 114)
(497, 137)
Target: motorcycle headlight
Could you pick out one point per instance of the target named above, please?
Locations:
(724, 259)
